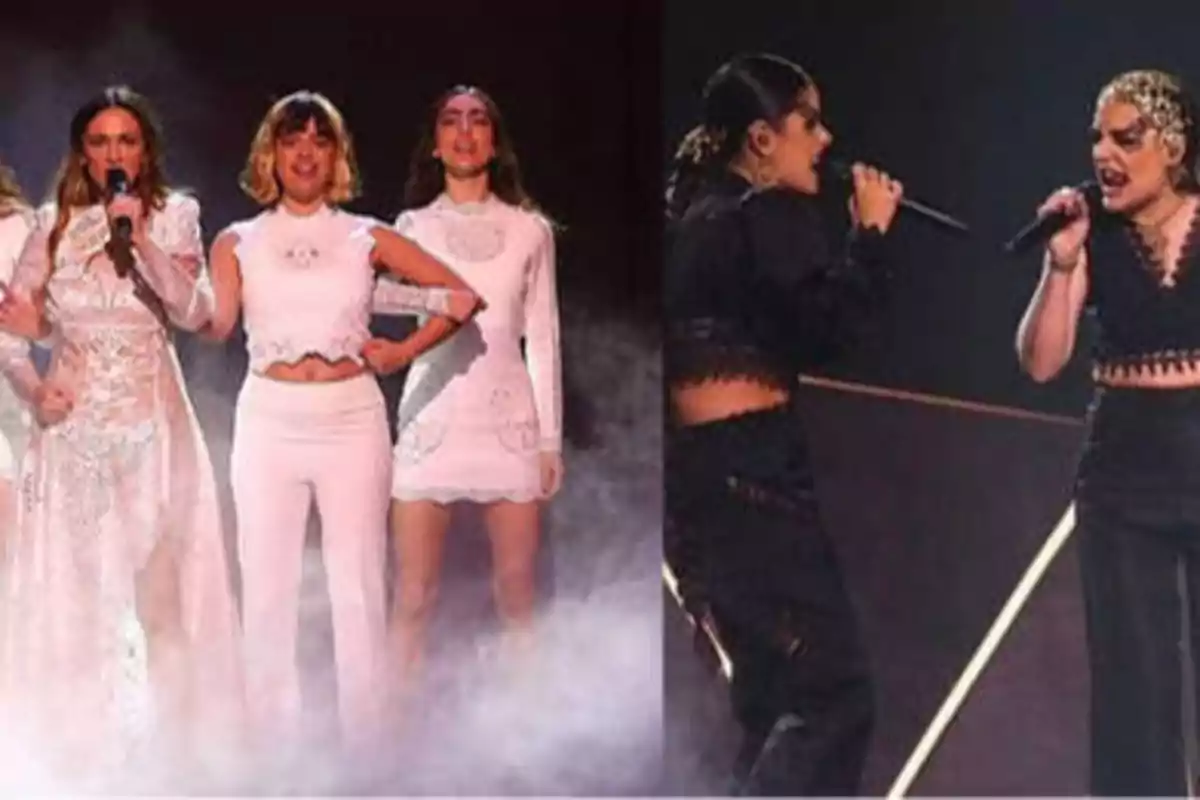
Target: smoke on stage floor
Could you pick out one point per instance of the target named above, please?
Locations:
(583, 714)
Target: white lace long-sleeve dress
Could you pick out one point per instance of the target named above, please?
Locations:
(126, 470)
(15, 420)
(476, 413)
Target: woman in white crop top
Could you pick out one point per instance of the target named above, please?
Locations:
(118, 629)
(311, 422)
(479, 421)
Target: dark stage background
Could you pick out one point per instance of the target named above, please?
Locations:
(580, 96)
(981, 109)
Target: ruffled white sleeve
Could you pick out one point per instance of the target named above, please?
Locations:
(174, 264)
(543, 353)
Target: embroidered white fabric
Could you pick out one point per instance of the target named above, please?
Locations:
(476, 415)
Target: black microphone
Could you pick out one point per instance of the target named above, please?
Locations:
(118, 183)
(1043, 227)
(841, 170)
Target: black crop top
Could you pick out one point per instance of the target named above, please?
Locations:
(1143, 325)
(752, 290)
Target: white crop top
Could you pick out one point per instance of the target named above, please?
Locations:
(307, 283)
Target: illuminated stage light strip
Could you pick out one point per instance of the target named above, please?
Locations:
(987, 648)
(936, 400)
(673, 586)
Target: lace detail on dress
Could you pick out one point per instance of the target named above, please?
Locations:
(393, 297)
(342, 340)
(307, 285)
(478, 408)
(711, 348)
(294, 350)
(99, 491)
(472, 234)
(1162, 362)
(1151, 260)
(113, 374)
(516, 429)
(418, 438)
(452, 494)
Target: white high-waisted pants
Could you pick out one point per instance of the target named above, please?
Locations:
(293, 442)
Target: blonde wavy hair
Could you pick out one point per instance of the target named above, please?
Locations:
(12, 199)
(291, 115)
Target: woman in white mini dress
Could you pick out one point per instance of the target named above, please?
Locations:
(480, 421)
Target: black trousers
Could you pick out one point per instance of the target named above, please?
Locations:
(1138, 503)
(744, 538)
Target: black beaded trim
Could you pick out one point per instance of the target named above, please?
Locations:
(1162, 362)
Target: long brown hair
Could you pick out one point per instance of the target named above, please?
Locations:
(427, 174)
(75, 188)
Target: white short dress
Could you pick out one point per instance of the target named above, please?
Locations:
(476, 414)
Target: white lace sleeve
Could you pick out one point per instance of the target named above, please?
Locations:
(542, 346)
(30, 274)
(393, 297)
(173, 263)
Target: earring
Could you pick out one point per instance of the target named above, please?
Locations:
(764, 175)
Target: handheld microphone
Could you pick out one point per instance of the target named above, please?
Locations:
(118, 183)
(841, 170)
(1043, 227)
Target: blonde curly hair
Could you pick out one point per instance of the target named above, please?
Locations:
(1162, 101)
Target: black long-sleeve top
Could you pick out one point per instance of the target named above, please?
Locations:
(753, 290)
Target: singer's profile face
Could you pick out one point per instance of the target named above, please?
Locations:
(113, 140)
(304, 163)
(803, 139)
(465, 138)
(1132, 162)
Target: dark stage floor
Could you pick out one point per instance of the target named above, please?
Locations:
(937, 512)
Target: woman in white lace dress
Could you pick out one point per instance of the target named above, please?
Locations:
(118, 629)
(478, 422)
(311, 422)
(16, 221)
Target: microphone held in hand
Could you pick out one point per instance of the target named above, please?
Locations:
(118, 183)
(1039, 231)
(841, 170)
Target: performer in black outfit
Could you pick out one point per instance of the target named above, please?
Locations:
(1131, 261)
(753, 296)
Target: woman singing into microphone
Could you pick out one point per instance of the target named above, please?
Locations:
(753, 296)
(118, 628)
(1138, 487)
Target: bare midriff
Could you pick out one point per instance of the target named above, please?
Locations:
(314, 369)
